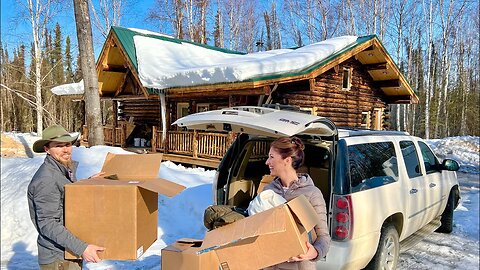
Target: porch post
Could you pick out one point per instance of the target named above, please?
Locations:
(115, 123)
(154, 139)
(163, 112)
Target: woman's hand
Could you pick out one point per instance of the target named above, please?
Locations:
(310, 255)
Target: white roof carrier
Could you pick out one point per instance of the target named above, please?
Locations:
(347, 132)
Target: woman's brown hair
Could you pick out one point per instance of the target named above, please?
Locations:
(290, 147)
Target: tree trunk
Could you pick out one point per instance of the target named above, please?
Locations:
(90, 80)
(429, 88)
(34, 17)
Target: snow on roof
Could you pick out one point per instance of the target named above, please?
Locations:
(184, 64)
(68, 89)
(165, 64)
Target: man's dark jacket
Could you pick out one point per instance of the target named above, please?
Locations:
(45, 201)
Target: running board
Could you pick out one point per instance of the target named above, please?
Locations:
(421, 234)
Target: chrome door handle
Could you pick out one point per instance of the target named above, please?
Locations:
(413, 191)
(432, 185)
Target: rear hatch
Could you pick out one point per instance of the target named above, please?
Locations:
(259, 121)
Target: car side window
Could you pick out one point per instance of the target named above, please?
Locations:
(410, 156)
(429, 159)
(372, 165)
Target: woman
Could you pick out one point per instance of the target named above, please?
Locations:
(284, 158)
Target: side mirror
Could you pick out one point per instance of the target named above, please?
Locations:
(450, 165)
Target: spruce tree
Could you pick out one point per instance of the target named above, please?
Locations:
(57, 59)
(69, 76)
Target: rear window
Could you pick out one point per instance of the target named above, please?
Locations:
(372, 165)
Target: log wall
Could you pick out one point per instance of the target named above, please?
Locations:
(328, 99)
(142, 111)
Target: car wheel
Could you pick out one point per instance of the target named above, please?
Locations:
(447, 215)
(386, 257)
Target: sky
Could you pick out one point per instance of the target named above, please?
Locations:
(182, 215)
(16, 28)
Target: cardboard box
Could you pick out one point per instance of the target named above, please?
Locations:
(266, 179)
(264, 239)
(120, 215)
(182, 255)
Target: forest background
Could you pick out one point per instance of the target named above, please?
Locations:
(434, 42)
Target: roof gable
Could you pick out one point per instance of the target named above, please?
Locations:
(368, 50)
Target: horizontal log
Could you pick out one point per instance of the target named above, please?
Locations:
(388, 83)
(188, 95)
(376, 66)
(334, 98)
(114, 68)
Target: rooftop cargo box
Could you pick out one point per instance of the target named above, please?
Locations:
(121, 214)
(266, 238)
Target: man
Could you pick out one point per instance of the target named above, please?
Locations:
(46, 199)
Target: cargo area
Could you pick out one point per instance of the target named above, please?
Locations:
(248, 169)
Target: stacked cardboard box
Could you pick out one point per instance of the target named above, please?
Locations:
(182, 255)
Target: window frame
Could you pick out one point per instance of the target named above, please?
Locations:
(180, 106)
(200, 105)
(348, 81)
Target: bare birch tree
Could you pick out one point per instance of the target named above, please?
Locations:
(40, 14)
(90, 79)
(428, 78)
(109, 14)
(450, 17)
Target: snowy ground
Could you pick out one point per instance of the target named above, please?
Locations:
(182, 216)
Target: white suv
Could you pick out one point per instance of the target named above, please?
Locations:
(384, 190)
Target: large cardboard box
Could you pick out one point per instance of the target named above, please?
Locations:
(266, 238)
(182, 255)
(120, 214)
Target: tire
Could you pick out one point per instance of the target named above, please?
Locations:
(386, 257)
(447, 215)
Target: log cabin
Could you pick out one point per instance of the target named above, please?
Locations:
(150, 80)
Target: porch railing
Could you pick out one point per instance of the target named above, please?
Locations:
(111, 136)
(196, 144)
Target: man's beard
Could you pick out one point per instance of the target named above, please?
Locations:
(68, 163)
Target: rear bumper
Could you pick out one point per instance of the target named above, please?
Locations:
(353, 254)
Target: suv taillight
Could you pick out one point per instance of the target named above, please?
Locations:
(342, 218)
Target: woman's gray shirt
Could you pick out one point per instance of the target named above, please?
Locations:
(45, 201)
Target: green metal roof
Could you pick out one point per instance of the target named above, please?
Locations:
(125, 36)
(317, 65)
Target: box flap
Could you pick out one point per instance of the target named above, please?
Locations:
(157, 185)
(161, 186)
(304, 212)
(271, 221)
(132, 166)
(183, 244)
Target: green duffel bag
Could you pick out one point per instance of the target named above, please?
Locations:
(219, 215)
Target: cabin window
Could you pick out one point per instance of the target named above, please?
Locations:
(203, 107)
(377, 118)
(347, 79)
(182, 109)
(365, 120)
